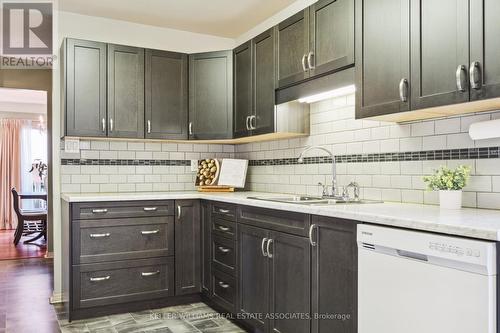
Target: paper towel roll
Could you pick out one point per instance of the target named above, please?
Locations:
(485, 130)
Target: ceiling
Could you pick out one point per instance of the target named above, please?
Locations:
(23, 101)
(224, 18)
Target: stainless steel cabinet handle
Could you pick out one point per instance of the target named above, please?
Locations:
(179, 211)
(222, 228)
(99, 211)
(150, 232)
(223, 211)
(223, 285)
(403, 90)
(223, 249)
(103, 121)
(310, 55)
(475, 75)
(149, 126)
(248, 123)
(269, 242)
(150, 273)
(150, 209)
(461, 70)
(111, 124)
(190, 128)
(101, 278)
(262, 247)
(311, 230)
(254, 124)
(304, 66)
(103, 235)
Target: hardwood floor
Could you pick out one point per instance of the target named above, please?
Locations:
(25, 288)
(21, 251)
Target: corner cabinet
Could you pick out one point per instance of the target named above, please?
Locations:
(84, 88)
(166, 99)
(125, 91)
(211, 95)
(382, 57)
(316, 41)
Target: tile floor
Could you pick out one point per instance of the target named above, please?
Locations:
(191, 318)
(21, 251)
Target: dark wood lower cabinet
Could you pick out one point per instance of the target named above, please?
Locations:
(187, 247)
(334, 275)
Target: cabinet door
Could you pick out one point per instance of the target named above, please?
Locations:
(211, 95)
(206, 241)
(293, 46)
(382, 57)
(242, 89)
(334, 274)
(440, 52)
(331, 35)
(125, 91)
(484, 49)
(264, 60)
(187, 247)
(290, 282)
(253, 292)
(166, 95)
(85, 69)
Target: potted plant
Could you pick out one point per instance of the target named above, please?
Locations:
(449, 183)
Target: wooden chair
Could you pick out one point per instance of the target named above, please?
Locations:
(29, 221)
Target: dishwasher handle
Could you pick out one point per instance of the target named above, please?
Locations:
(412, 255)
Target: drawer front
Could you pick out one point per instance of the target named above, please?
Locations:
(121, 239)
(223, 256)
(278, 220)
(122, 281)
(223, 228)
(110, 210)
(224, 290)
(223, 210)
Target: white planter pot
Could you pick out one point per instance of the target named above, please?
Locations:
(450, 199)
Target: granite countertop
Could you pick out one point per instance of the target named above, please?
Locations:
(467, 222)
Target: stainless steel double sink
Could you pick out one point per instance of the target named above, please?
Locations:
(311, 200)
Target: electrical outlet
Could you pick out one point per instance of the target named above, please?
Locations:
(72, 145)
(194, 165)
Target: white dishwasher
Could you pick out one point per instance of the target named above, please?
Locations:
(418, 282)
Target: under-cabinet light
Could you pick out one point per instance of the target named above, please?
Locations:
(347, 90)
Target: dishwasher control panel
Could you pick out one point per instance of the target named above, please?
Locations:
(449, 248)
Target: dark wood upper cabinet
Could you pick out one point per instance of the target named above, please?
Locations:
(293, 46)
(187, 247)
(243, 92)
(85, 88)
(290, 282)
(125, 91)
(382, 57)
(484, 67)
(264, 82)
(211, 95)
(334, 274)
(440, 52)
(166, 91)
(253, 275)
(331, 36)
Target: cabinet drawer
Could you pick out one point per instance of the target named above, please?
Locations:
(122, 281)
(121, 239)
(225, 211)
(223, 228)
(278, 220)
(109, 210)
(224, 290)
(223, 256)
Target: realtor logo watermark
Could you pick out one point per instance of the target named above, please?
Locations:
(26, 35)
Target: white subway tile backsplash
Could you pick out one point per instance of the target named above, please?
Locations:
(447, 126)
(422, 128)
(126, 155)
(99, 145)
(135, 146)
(152, 146)
(118, 145)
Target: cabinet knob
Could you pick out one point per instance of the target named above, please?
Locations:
(100, 278)
(103, 122)
(190, 128)
(111, 124)
(150, 232)
(304, 66)
(149, 126)
(475, 75)
(223, 285)
(311, 230)
(461, 77)
(310, 55)
(403, 90)
(263, 247)
(146, 274)
(268, 247)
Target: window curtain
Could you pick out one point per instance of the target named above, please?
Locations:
(10, 169)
